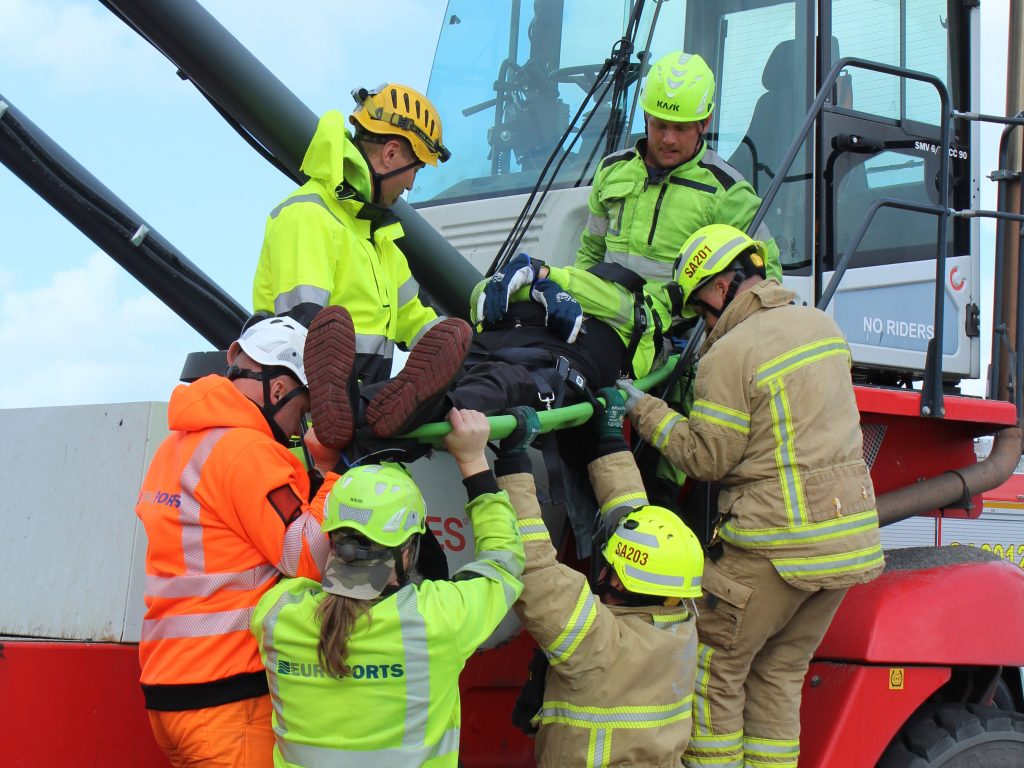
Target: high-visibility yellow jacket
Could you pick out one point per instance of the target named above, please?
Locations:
(620, 686)
(401, 704)
(223, 505)
(775, 420)
(326, 245)
(640, 220)
(610, 303)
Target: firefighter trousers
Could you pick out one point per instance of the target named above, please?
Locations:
(757, 635)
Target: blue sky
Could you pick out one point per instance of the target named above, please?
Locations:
(84, 331)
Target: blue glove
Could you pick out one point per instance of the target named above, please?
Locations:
(492, 303)
(562, 313)
(633, 394)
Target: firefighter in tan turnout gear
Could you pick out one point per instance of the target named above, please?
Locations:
(775, 421)
(620, 667)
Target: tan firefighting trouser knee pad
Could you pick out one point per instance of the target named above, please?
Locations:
(757, 635)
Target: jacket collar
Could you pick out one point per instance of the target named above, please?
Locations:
(333, 159)
(765, 295)
(659, 175)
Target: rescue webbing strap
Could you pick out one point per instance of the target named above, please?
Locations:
(634, 283)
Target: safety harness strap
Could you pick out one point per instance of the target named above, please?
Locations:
(634, 283)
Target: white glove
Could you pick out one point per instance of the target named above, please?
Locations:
(633, 395)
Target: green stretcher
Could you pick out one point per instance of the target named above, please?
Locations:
(556, 418)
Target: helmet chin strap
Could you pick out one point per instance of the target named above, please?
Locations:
(375, 177)
(268, 409)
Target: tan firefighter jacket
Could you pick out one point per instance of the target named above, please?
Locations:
(620, 685)
(775, 420)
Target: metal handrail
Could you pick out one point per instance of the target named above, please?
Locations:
(931, 398)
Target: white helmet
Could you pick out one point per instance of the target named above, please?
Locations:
(276, 341)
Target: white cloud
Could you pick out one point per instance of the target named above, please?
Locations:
(77, 46)
(90, 335)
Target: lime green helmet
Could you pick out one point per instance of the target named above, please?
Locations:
(679, 88)
(654, 553)
(378, 501)
(712, 250)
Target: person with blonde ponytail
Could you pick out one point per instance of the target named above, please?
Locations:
(363, 668)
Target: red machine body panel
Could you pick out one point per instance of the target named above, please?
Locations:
(73, 704)
(918, 617)
(849, 713)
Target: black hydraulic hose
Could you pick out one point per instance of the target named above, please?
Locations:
(117, 229)
(264, 110)
(617, 63)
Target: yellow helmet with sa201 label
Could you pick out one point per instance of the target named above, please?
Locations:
(654, 553)
(679, 88)
(712, 250)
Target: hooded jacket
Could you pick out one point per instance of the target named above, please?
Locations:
(223, 505)
(775, 420)
(619, 688)
(326, 244)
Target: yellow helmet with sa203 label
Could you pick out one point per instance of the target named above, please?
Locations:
(654, 553)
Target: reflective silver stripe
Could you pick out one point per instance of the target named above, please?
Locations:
(408, 291)
(719, 414)
(300, 294)
(661, 434)
(701, 703)
(713, 158)
(373, 344)
(830, 564)
(489, 571)
(426, 327)
(533, 530)
(622, 717)
(659, 579)
(310, 198)
(359, 515)
(268, 625)
(785, 455)
(597, 225)
(189, 514)
(618, 506)
(648, 269)
(777, 747)
(797, 358)
(722, 253)
(324, 757)
(417, 669)
(303, 528)
(206, 584)
(780, 537)
(197, 625)
(693, 247)
(637, 537)
(601, 742)
(504, 558)
(566, 643)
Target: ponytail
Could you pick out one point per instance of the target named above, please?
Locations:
(337, 616)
